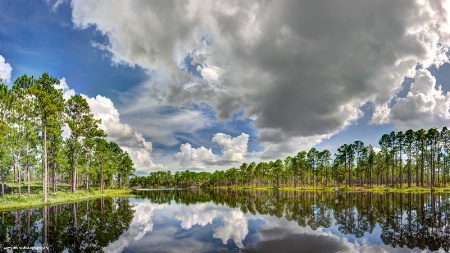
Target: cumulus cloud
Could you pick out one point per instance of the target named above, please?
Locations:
(200, 214)
(5, 70)
(425, 106)
(195, 157)
(235, 227)
(67, 91)
(302, 68)
(141, 224)
(233, 150)
(234, 222)
(121, 133)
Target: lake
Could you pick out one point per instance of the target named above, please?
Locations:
(234, 221)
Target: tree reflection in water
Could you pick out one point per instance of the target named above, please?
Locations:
(406, 220)
(87, 226)
(227, 220)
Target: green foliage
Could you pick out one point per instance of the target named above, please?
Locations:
(32, 115)
(356, 166)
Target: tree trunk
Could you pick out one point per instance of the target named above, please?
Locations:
(3, 187)
(44, 169)
(101, 178)
(18, 172)
(127, 182)
(431, 167)
(74, 171)
(443, 171)
(392, 170)
(87, 176)
(401, 168)
(409, 168)
(27, 169)
(295, 179)
(417, 173)
(422, 166)
(387, 173)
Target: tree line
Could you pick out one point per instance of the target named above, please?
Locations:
(405, 159)
(33, 113)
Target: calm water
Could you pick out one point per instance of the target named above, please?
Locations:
(234, 221)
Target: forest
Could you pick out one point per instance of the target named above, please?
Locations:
(405, 159)
(33, 113)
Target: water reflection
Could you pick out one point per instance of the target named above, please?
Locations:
(350, 221)
(78, 227)
(236, 221)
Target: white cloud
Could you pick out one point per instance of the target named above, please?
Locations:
(5, 70)
(141, 224)
(200, 214)
(425, 106)
(291, 145)
(235, 227)
(67, 91)
(67, 94)
(121, 133)
(299, 67)
(195, 157)
(234, 222)
(233, 150)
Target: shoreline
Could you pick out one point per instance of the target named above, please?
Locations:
(313, 189)
(342, 189)
(13, 201)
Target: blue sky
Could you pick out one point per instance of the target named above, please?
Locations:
(207, 85)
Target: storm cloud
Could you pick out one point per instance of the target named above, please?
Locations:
(300, 69)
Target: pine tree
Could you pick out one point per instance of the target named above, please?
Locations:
(49, 107)
(82, 125)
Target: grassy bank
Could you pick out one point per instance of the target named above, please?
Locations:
(342, 189)
(36, 198)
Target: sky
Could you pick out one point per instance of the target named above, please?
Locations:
(205, 85)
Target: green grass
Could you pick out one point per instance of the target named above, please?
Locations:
(63, 195)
